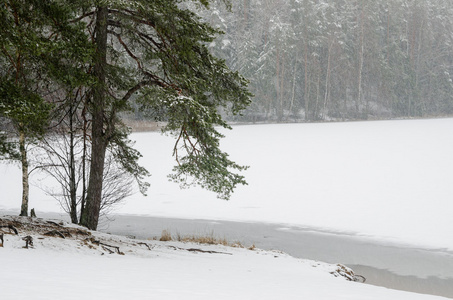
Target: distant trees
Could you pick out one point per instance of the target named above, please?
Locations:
(153, 53)
(338, 60)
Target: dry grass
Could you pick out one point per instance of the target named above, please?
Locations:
(165, 236)
(209, 239)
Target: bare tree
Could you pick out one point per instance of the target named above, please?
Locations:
(66, 168)
(65, 154)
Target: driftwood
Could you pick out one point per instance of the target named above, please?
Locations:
(28, 241)
(10, 227)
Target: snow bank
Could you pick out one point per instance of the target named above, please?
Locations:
(73, 268)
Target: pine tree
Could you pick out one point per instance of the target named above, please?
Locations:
(155, 52)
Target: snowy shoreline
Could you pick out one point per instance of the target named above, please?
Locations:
(391, 266)
(71, 268)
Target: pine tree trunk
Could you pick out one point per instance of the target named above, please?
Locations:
(90, 216)
(25, 185)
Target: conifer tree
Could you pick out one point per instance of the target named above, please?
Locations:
(155, 53)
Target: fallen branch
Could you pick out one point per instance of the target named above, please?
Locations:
(207, 251)
(108, 250)
(107, 245)
(175, 248)
(145, 244)
(199, 250)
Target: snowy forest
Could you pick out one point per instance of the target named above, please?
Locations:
(315, 202)
(315, 60)
(72, 70)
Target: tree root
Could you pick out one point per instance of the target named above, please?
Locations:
(145, 244)
(10, 227)
(199, 250)
(104, 245)
(56, 233)
(207, 251)
(54, 223)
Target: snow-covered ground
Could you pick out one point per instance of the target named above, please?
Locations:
(389, 181)
(76, 268)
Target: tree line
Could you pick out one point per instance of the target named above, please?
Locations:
(314, 60)
(68, 69)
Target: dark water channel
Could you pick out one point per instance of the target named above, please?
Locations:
(428, 271)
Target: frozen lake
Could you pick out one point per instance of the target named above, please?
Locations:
(428, 271)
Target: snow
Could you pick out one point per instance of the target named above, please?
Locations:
(389, 181)
(67, 269)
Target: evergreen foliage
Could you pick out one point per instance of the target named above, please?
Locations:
(67, 61)
(155, 53)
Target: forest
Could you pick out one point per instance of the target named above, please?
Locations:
(71, 71)
(323, 60)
